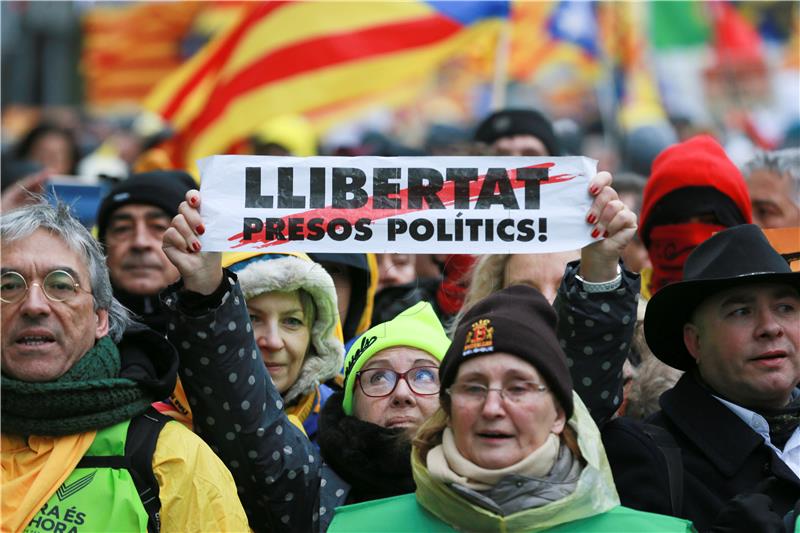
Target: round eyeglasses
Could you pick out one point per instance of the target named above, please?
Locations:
(476, 394)
(58, 286)
(379, 382)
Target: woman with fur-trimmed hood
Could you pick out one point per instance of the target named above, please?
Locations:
(292, 305)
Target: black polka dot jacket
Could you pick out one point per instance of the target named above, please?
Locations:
(237, 410)
(595, 331)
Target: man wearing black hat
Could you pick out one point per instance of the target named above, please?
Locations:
(727, 456)
(518, 132)
(131, 222)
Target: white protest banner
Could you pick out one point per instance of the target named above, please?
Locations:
(476, 205)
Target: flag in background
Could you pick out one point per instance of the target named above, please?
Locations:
(267, 64)
(551, 35)
(575, 22)
(628, 51)
(128, 49)
(679, 24)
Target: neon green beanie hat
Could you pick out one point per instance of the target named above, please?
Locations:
(417, 327)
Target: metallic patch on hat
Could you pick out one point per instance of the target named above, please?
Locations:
(121, 196)
(479, 337)
(502, 123)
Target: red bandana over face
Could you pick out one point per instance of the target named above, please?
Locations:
(669, 247)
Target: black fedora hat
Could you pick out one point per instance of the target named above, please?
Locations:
(734, 256)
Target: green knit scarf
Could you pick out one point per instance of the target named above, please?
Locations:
(91, 395)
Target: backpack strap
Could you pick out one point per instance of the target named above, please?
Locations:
(140, 445)
(672, 455)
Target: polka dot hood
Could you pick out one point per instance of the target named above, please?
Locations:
(260, 273)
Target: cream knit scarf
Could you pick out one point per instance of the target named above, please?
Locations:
(446, 464)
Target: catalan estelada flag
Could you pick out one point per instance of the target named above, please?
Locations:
(129, 48)
(297, 57)
(549, 35)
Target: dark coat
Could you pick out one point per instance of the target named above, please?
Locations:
(362, 461)
(721, 456)
(146, 307)
(237, 410)
(595, 331)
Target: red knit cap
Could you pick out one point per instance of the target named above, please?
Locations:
(697, 162)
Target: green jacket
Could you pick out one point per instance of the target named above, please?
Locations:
(95, 499)
(592, 507)
(404, 514)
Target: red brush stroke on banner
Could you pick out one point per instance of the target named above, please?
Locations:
(446, 195)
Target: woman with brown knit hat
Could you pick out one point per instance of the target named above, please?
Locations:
(512, 447)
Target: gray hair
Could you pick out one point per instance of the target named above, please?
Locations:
(784, 162)
(23, 222)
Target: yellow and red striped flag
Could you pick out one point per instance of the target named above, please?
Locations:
(127, 49)
(298, 57)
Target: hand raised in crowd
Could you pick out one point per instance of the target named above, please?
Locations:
(612, 220)
(201, 272)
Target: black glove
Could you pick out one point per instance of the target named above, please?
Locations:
(746, 513)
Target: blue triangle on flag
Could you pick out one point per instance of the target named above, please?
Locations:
(575, 22)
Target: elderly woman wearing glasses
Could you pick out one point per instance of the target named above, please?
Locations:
(391, 387)
(512, 447)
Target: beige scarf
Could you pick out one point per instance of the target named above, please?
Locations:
(446, 464)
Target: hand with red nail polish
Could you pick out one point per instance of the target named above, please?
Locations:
(617, 225)
(201, 272)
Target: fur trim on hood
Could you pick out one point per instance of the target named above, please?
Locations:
(288, 273)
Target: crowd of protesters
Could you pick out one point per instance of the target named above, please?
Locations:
(646, 382)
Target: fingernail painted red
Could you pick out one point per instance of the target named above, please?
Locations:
(593, 190)
(591, 218)
(189, 249)
(605, 234)
(193, 200)
(595, 233)
(196, 246)
(201, 229)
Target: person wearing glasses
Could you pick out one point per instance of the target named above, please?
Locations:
(391, 388)
(512, 447)
(78, 380)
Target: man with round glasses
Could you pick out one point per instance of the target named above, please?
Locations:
(58, 286)
(78, 381)
(49, 321)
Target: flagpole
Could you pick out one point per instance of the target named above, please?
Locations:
(606, 90)
(501, 59)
